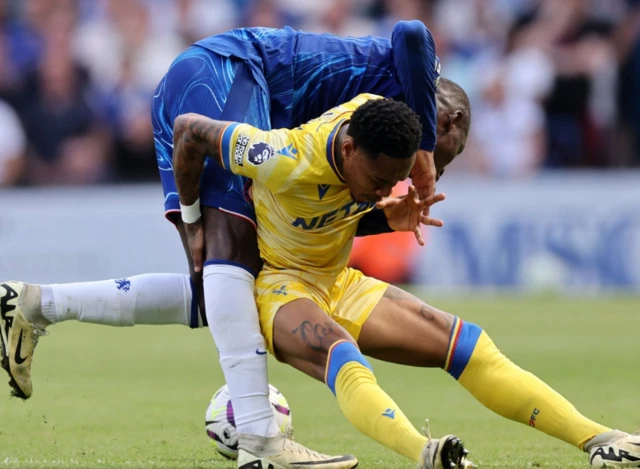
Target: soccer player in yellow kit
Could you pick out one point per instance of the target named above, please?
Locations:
(311, 185)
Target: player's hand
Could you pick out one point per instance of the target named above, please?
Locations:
(195, 238)
(406, 213)
(423, 176)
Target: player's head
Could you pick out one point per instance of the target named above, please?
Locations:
(454, 120)
(380, 148)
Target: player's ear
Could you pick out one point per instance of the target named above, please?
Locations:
(348, 148)
(454, 120)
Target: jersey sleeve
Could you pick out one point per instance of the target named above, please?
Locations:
(418, 67)
(269, 157)
(373, 222)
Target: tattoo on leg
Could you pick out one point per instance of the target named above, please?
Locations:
(313, 335)
(428, 315)
(396, 294)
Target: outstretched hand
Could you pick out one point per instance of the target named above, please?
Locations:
(406, 213)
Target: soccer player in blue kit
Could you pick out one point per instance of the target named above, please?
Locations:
(269, 78)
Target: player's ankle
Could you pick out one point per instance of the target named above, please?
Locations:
(262, 445)
(31, 305)
(265, 427)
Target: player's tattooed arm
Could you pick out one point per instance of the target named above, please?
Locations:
(194, 138)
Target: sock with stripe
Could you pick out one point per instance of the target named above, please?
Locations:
(366, 405)
(499, 384)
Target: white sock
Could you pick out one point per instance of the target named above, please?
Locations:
(141, 299)
(232, 315)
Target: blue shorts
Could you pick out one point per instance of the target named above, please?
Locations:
(222, 88)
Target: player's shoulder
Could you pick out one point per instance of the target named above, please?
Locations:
(364, 97)
(355, 103)
(334, 116)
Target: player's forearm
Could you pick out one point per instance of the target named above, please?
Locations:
(414, 55)
(194, 137)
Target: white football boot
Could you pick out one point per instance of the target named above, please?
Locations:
(18, 337)
(282, 452)
(447, 452)
(614, 449)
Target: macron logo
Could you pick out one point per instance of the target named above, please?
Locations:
(281, 291)
(391, 413)
(322, 190)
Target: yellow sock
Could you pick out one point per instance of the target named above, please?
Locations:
(366, 405)
(512, 392)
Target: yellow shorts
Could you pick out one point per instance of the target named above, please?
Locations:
(348, 299)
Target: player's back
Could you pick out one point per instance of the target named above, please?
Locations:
(307, 74)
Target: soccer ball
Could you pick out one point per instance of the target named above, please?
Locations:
(221, 424)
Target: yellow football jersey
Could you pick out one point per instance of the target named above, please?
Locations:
(306, 216)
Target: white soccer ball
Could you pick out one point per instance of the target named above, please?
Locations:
(221, 424)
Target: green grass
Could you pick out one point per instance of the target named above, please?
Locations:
(135, 398)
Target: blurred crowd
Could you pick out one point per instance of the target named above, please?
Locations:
(553, 83)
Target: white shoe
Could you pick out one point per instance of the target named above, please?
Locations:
(282, 452)
(614, 449)
(18, 339)
(447, 452)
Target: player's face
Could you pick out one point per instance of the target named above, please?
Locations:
(371, 179)
(446, 150)
(451, 142)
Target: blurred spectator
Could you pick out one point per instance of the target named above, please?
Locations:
(542, 75)
(508, 129)
(579, 41)
(194, 20)
(267, 14)
(627, 42)
(340, 18)
(127, 107)
(13, 146)
(66, 146)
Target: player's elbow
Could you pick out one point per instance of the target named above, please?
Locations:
(181, 125)
(413, 34)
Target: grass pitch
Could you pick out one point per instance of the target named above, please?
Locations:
(136, 397)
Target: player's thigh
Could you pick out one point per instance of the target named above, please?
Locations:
(232, 238)
(403, 329)
(303, 334)
(193, 83)
(220, 88)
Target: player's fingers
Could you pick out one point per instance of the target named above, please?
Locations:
(434, 199)
(419, 237)
(414, 198)
(431, 221)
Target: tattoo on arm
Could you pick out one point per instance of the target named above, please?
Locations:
(313, 335)
(194, 137)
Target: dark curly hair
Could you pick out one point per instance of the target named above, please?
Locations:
(386, 126)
